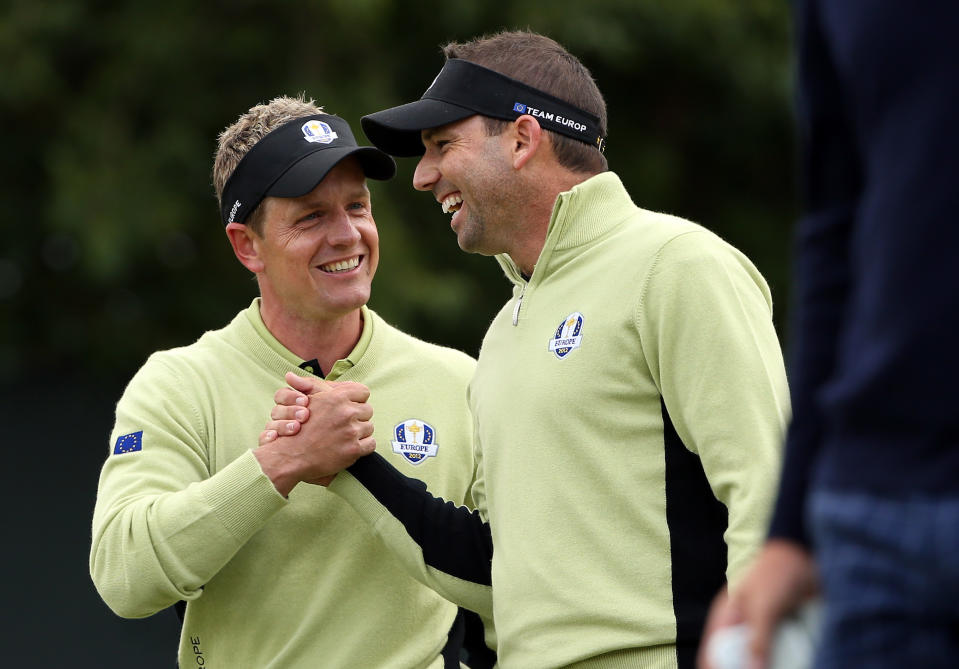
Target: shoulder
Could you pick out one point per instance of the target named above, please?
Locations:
(675, 242)
(660, 230)
(181, 367)
(415, 351)
(697, 271)
(648, 244)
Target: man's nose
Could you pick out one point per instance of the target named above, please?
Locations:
(426, 174)
(343, 231)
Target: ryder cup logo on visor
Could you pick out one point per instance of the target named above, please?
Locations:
(519, 108)
(415, 440)
(318, 131)
(567, 336)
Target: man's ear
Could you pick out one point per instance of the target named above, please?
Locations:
(527, 137)
(245, 246)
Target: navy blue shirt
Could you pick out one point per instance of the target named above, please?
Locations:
(875, 362)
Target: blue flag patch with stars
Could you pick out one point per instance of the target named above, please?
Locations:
(129, 443)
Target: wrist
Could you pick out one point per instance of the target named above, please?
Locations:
(277, 468)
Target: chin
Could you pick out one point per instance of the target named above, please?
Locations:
(347, 304)
(466, 243)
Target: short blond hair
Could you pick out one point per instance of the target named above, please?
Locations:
(237, 140)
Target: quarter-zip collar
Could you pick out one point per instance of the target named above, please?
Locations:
(584, 213)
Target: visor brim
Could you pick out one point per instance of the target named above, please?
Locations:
(397, 130)
(307, 173)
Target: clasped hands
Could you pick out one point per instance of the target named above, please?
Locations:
(316, 429)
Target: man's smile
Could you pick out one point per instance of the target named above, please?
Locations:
(341, 265)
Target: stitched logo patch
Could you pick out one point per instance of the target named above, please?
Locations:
(128, 443)
(318, 131)
(568, 335)
(415, 440)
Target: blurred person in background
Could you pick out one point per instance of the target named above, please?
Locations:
(868, 508)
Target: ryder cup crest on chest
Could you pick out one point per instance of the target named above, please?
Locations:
(318, 131)
(415, 440)
(568, 336)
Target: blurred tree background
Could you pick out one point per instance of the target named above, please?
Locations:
(113, 248)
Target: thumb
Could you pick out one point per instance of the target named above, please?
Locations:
(306, 384)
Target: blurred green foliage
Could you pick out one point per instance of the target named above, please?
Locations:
(110, 109)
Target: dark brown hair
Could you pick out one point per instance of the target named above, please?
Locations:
(540, 62)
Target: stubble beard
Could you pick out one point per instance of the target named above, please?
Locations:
(471, 233)
(482, 231)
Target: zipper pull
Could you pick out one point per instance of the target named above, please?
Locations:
(519, 303)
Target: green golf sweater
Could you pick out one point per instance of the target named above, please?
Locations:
(184, 512)
(630, 403)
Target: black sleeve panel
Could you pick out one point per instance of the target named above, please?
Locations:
(454, 540)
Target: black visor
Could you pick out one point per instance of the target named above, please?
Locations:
(463, 89)
(292, 159)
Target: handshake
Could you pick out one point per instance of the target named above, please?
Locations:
(316, 430)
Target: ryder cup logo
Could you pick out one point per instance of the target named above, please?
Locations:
(415, 440)
(567, 336)
(318, 131)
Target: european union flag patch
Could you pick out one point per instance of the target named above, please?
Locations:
(129, 443)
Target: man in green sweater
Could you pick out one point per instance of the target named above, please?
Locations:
(629, 400)
(275, 572)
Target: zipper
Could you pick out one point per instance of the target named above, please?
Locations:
(519, 303)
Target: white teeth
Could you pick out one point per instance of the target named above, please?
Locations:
(452, 203)
(341, 265)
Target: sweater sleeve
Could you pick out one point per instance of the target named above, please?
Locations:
(706, 326)
(163, 526)
(831, 184)
(446, 547)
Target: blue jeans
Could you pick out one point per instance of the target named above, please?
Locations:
(890, 574)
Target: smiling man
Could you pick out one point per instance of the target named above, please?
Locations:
(629, 400)
(274, 572)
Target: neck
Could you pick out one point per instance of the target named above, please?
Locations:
(537, 212)
(327, 340)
